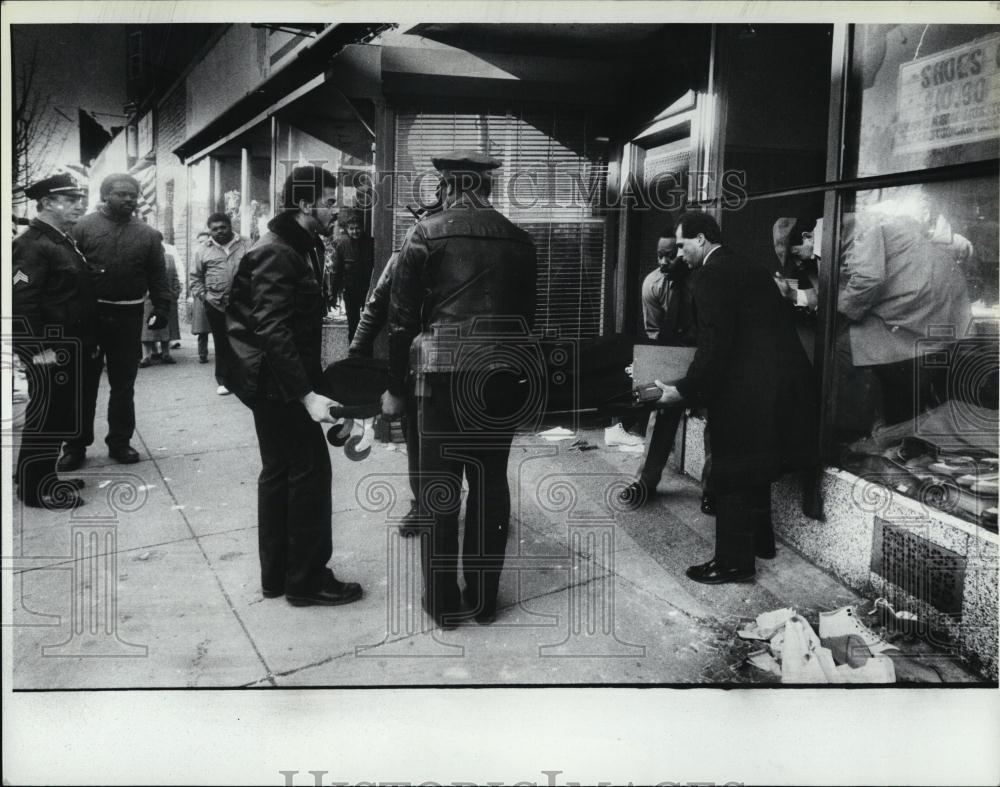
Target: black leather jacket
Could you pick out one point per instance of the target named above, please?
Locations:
(375, 314)
(466, 270)
(275, 316)
(53, 289)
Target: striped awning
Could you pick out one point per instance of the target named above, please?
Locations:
(145, 172)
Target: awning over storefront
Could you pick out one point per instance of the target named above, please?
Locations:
(312, 60)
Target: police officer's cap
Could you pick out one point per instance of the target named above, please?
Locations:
(464, 161)
(61, 182)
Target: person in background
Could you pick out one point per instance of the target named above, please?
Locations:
(373, 318)
(212, 274)
(196, 309)
(127, 259)
(903, 278)
(162, 336)
(797, 246)
(352, 263)
(668, 317)
(52, 288)
(171, 257)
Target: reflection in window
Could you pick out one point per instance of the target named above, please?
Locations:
(929, 96)
(916, 343)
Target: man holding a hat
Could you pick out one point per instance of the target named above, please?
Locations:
(463, 294)
(55, 312)
(275, 325)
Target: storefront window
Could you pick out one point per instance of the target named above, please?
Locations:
(781, 234)
(927, 96)
(916, 343)
(347, 153)
(777, 87)
(552, 183)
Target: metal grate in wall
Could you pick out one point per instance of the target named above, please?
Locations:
(920, 567)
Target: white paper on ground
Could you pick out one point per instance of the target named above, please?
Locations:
(556, 431)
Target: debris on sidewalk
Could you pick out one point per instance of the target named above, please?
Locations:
(582, 445)
(557, 433)
(845, 649)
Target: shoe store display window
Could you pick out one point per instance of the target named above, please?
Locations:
(914, 337)
(916, 343)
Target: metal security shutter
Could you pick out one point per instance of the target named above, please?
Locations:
(552, 183)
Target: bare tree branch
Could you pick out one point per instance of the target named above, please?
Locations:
(35, 126)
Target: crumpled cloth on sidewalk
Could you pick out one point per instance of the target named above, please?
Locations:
(795, 652)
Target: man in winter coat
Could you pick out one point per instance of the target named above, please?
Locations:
(275, 323)
(212, 275)
(127, 259)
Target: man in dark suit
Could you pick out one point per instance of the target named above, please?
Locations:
(275, 322)
(752, 374)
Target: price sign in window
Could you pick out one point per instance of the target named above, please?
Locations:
(951, 98)
(924, 96)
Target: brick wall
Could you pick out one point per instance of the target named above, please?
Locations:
(171, 176)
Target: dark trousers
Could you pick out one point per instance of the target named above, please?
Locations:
(353, 303)
(51, 416)
(412, 433)
(119, 333)
(660, 437)
(220, 338)
(742, 525)
(202, 345)
(455, 444)
(293, 498)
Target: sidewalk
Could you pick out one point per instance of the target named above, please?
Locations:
(154, 582)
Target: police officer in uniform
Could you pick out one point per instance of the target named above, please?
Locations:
(55, 314)
(463, 294)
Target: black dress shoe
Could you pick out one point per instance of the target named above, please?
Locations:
(446, 621)
(708, 505)
(272, 592)
(414, 521)
(485, 617)
(766, 553)
(332, 594)
(713, 573)
(635, 495)
(202, 359)
(57, 502)
(125, 454)
(70, 461)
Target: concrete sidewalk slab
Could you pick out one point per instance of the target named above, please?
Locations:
(134, 502)
(164, 633)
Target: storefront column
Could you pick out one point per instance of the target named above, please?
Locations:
(246, 216)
